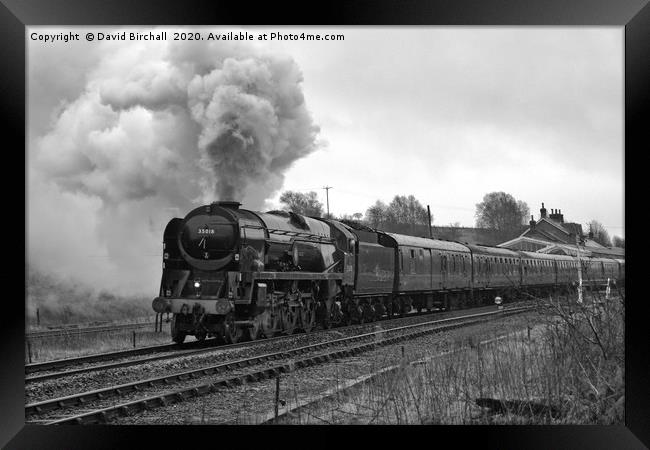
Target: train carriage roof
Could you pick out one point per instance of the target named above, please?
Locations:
(434, 244)
(546, 256)
(493, 251)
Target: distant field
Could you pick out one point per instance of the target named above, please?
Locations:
(53, 302)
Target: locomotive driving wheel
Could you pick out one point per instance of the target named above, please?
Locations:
(308, 315)
(323, 315)
(233, 334)
(253, 333)
(289, 319)
(270, 322)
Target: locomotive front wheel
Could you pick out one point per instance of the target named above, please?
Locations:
(177, 336)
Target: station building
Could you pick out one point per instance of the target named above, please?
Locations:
(551, 234)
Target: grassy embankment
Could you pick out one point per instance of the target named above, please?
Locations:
(567, 368)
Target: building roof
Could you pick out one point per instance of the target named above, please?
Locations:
(551, 235)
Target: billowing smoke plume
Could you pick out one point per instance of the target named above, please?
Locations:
(155, 130)
(254, 123)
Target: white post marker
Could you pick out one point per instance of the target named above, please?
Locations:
(579, 271)
(608, 290)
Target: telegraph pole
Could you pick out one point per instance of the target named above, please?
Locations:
(579, 270)
(327, 194)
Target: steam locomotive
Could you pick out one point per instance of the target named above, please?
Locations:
(236, 274)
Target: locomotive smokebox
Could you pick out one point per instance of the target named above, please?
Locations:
(161, 305)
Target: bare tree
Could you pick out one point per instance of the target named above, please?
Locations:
(618, 241)
(305, 204)
(407, 210)
(377, 214)
(502, 212)
(599, 232)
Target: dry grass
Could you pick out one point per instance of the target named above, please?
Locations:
(74, 344)
(568, 369)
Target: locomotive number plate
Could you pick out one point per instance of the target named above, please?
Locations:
(205, 231)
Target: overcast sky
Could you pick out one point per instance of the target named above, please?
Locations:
(448, 114)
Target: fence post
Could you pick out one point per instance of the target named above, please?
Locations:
(277, 395)
(133, 339)
(38, 317)
(29, 350)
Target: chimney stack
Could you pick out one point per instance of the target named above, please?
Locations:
(542, 212)
(532, 222)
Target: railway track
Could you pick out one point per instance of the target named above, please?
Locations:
(67, 362)
(104, 405)
(33, 372)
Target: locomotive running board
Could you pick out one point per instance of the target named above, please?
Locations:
(296, 276)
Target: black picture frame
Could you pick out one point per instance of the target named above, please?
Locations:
(15, 15)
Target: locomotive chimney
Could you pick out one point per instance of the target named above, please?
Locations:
(228, 204)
